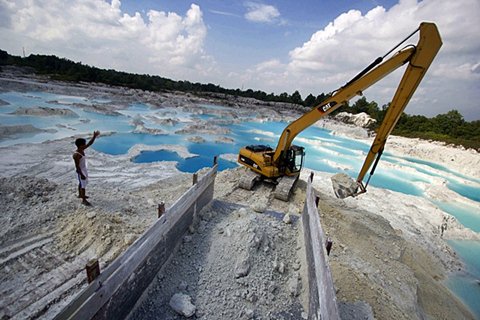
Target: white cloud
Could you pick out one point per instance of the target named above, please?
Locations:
(172, 44)
(268, 65)
(336, 53)
(223, 13)
(97, 32)
(258, 12)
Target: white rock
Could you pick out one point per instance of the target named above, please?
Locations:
(360, 119)
(343, 185)
(242, 212)
(91, 215)
(294, 285)
(287, 218)
(129, 238)
(259, 206)
(243, 268)
(182, 304)
(249, 313)
(292, 209)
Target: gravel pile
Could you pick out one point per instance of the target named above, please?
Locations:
(233, 264)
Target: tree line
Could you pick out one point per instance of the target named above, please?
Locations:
(67, 70)
(450, 127)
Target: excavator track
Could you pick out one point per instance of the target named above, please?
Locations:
(248, 180)
(284, 187)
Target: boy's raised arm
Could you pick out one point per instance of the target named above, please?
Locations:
(92, 140)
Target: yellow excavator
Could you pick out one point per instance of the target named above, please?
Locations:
(282, 165)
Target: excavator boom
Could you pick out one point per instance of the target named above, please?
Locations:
(419, 58)
(273, 164)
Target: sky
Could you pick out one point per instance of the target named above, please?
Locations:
(313, 46)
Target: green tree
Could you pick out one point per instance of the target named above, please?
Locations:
(296, 97)
(284, 97)
(448, 123)
(320, 98)
(309, 101)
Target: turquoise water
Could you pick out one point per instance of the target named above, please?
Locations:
(467, 285)
(324, 152)
(326, 149)
(120, 143)
(440, 167)
(465, 214)
(471, 192)
(61, 127)
(453, 178)
(190, 165)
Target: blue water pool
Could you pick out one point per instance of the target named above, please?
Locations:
(190, 165)
(466, 285)
(465, 214)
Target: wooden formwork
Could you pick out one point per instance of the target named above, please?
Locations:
(116, 290)
(322, 301)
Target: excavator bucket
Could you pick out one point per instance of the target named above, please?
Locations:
(344, 186)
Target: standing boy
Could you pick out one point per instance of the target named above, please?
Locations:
(81, 165)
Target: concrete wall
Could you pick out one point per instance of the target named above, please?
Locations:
(113, 294)
(322, 301)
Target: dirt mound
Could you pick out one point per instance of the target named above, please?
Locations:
(96, 233)
(372, 262)
(235, 264)
(26, 204)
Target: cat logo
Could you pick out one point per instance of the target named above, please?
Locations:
(327, 106)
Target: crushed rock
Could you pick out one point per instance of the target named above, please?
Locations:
(343, 185)
(182, 304)
(231, 275)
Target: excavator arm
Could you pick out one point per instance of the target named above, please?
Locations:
(339, 98)
(419, 58)
(427, 48)
(281, 165)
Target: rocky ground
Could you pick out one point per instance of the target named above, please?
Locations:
(49, 237)
(374, 262)
(236, 263)
(388, 259)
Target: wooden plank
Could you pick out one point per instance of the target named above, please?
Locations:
(117, 288)
(322, 298)
(93, 270)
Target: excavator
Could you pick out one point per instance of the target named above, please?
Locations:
(282, 165)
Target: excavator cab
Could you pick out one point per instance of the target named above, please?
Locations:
(294, 160)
